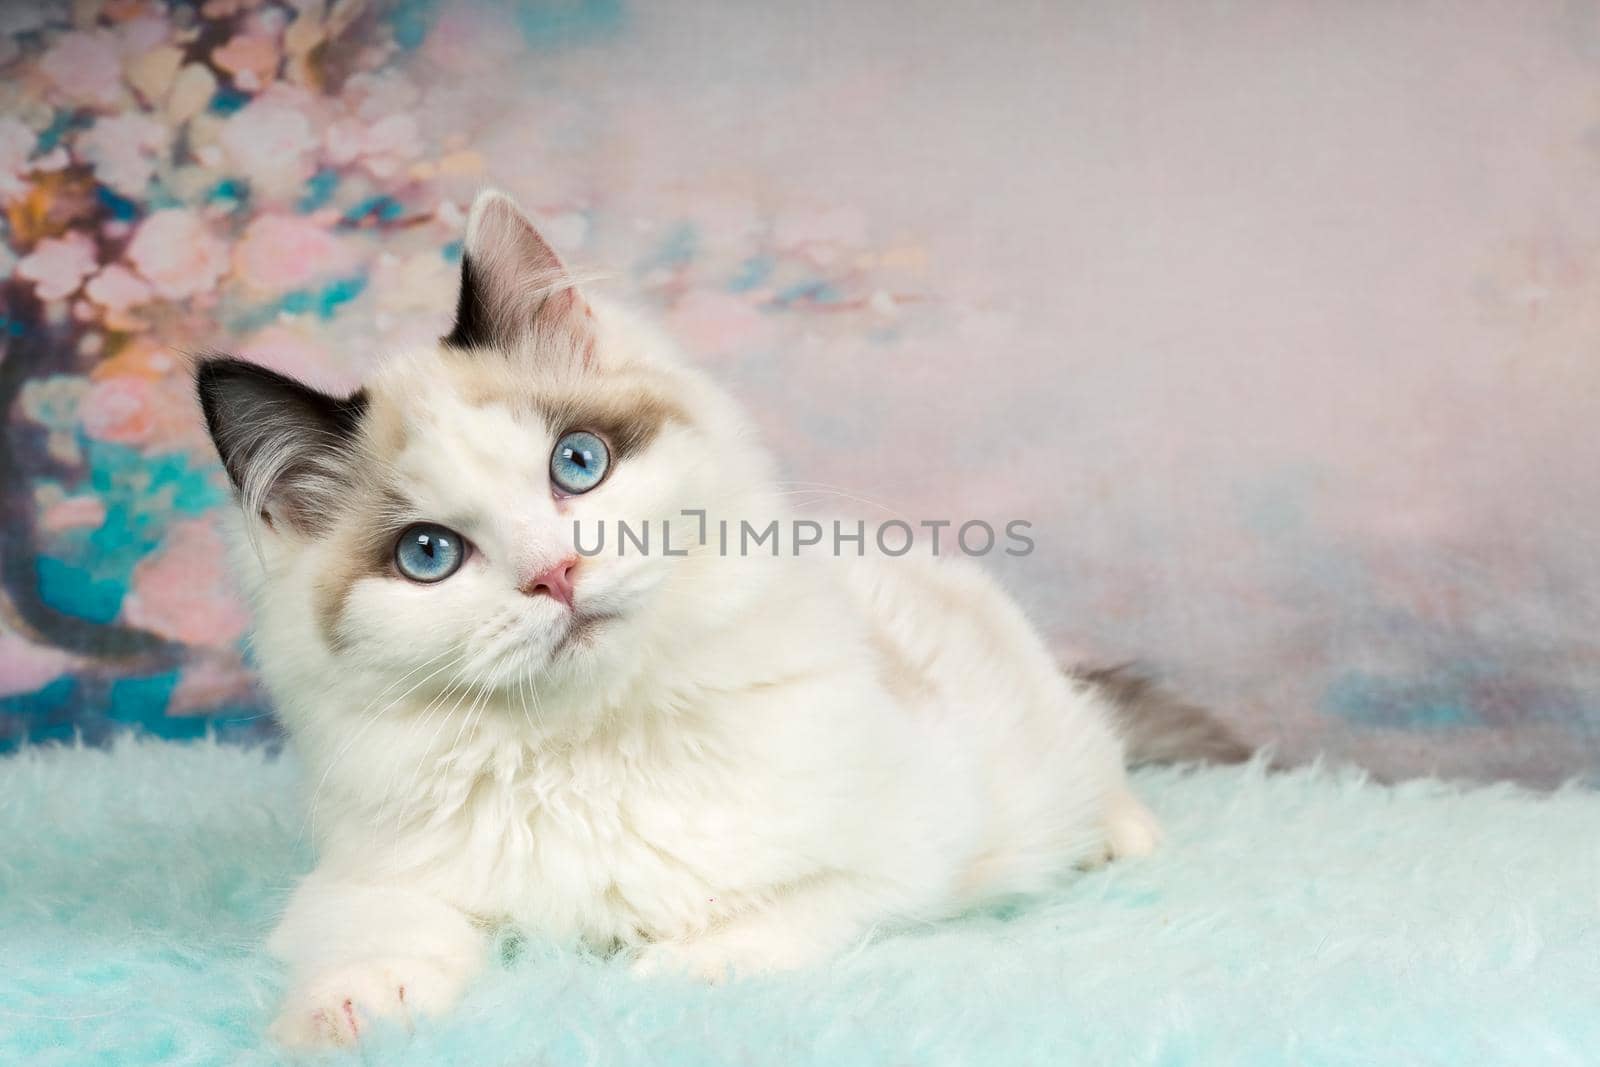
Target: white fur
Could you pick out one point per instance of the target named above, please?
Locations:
(759, 762)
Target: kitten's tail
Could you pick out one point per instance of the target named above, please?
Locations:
(1158, 726)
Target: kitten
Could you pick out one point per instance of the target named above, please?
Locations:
(719, 762)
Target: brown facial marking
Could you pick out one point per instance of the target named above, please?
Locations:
(363, 546)
(385, 429)
(628, 419)
(625, 406)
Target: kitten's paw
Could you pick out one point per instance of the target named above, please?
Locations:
(1131, 828)
(336, 1005)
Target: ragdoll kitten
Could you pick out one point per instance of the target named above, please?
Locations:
(721, 763)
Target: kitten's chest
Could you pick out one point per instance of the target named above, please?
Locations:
(610, 846)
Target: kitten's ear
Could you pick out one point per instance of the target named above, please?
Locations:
(289, 450)
(513, 285)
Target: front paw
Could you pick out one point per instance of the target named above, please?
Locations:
(335, 1005)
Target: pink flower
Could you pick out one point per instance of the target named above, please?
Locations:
(85, 67)
(342, 141)
(142, 33)
(123, 150)
(251, 58)
(55, 159)
(372, 96)
(183, 591)
(283, 252)
(116, 288)
(210, 682)
(384, 148)
(16, 145)
(179, 256)
(272, 141)
(25, 666)
(58, 265)
(73, 512)
(390, 142)
(150, 413)
(119, 408)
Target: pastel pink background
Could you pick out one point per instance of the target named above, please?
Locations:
(1278, 320)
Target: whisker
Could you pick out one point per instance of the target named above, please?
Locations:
(416, 771)
(367, 721)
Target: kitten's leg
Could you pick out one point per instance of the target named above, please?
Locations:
(804, 925)
(356, 953)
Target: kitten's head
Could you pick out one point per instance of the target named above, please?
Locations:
(424, 527)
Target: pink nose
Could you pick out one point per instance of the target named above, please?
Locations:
(556, 581)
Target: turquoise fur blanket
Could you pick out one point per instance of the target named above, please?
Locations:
(1310, 917)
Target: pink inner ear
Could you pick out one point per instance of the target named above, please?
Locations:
(533, 253)
(499, 233)
(515, 270)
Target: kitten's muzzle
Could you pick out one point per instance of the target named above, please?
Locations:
(556, 581)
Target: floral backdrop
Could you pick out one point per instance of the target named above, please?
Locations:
(1279, 321)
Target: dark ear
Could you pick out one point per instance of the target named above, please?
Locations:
(288, 449)
(513, 285)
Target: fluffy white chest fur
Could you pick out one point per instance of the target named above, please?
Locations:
(720, 761)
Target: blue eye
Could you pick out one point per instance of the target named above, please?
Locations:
(428, 552)
(579, 462)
